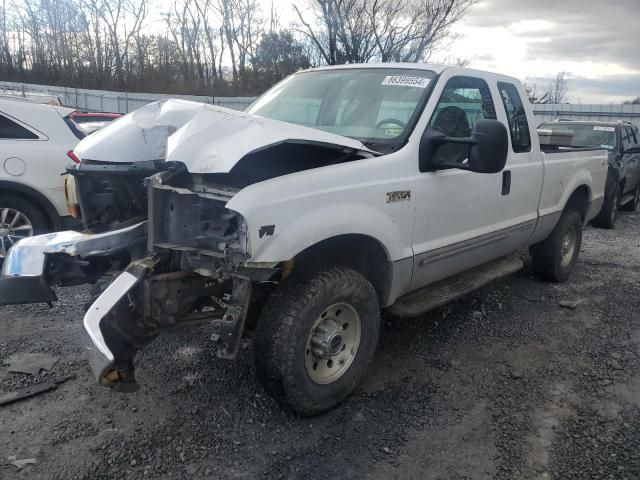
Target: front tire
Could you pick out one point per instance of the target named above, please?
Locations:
(555, 257)
(316, 337)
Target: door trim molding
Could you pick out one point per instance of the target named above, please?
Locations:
(473, 243)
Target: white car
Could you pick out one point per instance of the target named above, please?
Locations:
(36, 143)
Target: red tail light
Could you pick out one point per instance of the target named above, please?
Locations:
(73, 156)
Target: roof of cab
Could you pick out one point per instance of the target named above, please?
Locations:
(432, 67)
(406, 66)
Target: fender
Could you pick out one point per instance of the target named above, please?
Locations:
(38, 197)
(372, 197)
(289, 239)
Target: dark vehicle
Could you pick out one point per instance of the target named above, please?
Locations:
(621, 140)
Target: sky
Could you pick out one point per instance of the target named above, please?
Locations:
(597, 42)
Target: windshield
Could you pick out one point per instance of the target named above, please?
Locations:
(580, 135)
(374, 105)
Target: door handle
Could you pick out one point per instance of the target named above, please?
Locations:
(506, 182)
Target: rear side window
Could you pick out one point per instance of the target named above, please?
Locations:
(13, 130)
(517, 116)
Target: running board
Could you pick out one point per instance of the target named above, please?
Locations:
(442, 292)
(626, 199)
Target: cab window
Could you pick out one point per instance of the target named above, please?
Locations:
(464, 101)
(517, 116)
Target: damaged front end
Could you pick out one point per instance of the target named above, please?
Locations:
(161, 246)
(194, 271)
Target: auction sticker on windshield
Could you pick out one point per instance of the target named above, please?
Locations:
(598, 128)
(403, 81)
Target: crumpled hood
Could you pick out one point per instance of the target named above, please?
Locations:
(217, 138)
(206, 138)
(140, 135)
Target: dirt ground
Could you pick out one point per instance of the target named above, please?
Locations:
(504, 383)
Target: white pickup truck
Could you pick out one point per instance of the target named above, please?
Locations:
(340, 192)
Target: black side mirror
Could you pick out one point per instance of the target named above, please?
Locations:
(633, 149)
(488, 148)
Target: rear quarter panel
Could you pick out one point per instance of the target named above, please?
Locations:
(565, 172)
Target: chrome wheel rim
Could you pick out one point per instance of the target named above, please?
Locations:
(332, 343)
(14, 226)
(568, 247)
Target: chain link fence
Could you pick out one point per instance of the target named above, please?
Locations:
(106, 100)
(123, 102)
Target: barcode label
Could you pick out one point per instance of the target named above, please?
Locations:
(402, 81)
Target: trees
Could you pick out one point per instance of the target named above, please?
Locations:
(277, 55)
(556, 92)
(635, 101)
(354, 31)
(190, 46)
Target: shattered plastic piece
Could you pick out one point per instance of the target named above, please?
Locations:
(31, 363)
(20, 463)
(32, 390)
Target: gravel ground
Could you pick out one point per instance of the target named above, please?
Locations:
(504, 383)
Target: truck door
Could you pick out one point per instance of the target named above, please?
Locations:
(455, 209)
(517, 207)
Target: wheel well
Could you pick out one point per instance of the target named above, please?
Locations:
(361, 253)
(39, 200)
(579, 201)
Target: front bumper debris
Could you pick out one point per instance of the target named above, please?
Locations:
(26, 273)
(110, 358)
(112, 335)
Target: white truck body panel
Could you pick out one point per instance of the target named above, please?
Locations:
(428, 208)
(447, 208)
(448, 221)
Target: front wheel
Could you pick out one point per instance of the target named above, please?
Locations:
(316, 337)
(555, 257)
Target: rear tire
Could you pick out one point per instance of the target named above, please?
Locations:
(554, 258)
(632, 205)
(316, 337)
(19, 218)
(609, 213)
